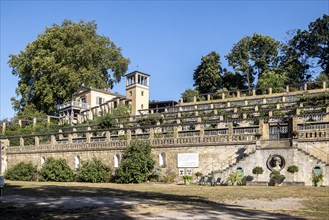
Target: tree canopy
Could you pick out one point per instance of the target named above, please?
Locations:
(60, 60)
(207, 76)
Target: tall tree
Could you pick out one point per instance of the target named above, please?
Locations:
(314, 42)
(60, 60)
(254, 55)
(233, 81)
(207, 76)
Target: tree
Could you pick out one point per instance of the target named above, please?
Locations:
(274, 80)
(136, 164)
(60, 60)
(314, 42)
(252, 56)
(188, 95)
(207, 76)
(233, 81)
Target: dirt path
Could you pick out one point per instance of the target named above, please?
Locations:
(18, 207)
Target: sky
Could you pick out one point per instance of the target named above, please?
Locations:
(165, 39)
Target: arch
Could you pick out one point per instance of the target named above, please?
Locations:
(240, 170)
(317, 169)
(117, 159)
(42, 160)
(76, 162)
(162, 159)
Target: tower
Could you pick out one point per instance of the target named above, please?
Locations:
(137, 89)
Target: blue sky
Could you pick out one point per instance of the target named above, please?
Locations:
(163, 38)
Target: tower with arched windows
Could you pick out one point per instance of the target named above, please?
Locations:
(137, 89)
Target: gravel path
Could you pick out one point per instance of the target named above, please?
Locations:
(18, 207)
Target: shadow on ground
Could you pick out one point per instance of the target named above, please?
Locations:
(74, 202)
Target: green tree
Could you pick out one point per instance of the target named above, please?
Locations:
(233, 81)
(274, 80)
(207, 76)
(188, 95)
(60, 60)
(252, 56)
(30, 111)
(94, 171)
(314, 42)
(136, 164)
(56, 170)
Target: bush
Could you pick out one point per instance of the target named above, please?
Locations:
(292, 169)
(136, 164)
(257, 170)
(21, 171)
(94, 171)
(236, 178)
(56, 170)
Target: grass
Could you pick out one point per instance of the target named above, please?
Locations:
(314, 199)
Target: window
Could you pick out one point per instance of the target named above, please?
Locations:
(142, 106)
(43, 159)
(142, 93)
(162, 159)
(83, 99)
(76, 162)
(116, 160)
(99, 100)
(131, 93)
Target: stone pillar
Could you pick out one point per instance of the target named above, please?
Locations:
(128, 136)
(253, 92)
(324, 84)
(196, 113)
(264, 129)
(201, 130)
(70, 139)
(270, 90)
(264, 101)
(244, 116)
(181, 100)
(75, 135)
(176, 132)
(60, 136)
(36, 141)
(283, 98)
(151, 134)
(230, 131)
(228, 104)
(194, 98)
(21, 142)
(3, 128)
(48, 119)
(208, 97)
(4, 144)
(297, 111)
(223, 95)
(34, 122)
(221, 117)
(20, 123)
(305, 87)
(270, 114)
(256, 108)
(88, 137)
(197, 126)
(287, 89)
(278, 106)
(108, 136)
(245, 102)
(238, 94)
(53, 140)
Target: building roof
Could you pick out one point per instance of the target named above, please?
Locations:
(85, 88)
(136, 71)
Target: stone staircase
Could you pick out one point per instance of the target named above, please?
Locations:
(320, 159)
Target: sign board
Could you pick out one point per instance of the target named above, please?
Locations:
(188, 160)
(2, 182)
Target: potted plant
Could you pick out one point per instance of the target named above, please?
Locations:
(187, 179)
(235, 178)
(198, 175)
(257, 171)
(295, 133)
(293, 169)
(317, 178)
(276, 177)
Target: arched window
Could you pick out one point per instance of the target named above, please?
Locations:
(162, 159)
(76, 162)
(317, 170)
(43, 160)
(116, 160)
(240, 170)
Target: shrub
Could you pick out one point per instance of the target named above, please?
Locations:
(257, 170)
(56, 170)
(149, 120)
(292, 169)
(136, 164)
(94, 171)
(276, 177)
(235, 178)
(21, 171)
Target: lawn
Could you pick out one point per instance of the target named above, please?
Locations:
(311, 202)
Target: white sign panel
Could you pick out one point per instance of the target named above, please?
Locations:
(188, 160)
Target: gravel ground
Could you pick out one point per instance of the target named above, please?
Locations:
(21, 207)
